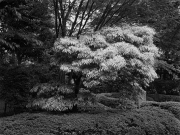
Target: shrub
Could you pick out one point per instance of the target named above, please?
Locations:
(115, 100)
(172, 107)
(163, 98)
(16, 82)
(170, 98)
(149, 99)
(152, 119)
(52, 97)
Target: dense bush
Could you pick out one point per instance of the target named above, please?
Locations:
(172, 107)
(170, 98)
(52, 97)
(116, 100)
(15, 87)
(152, 119)
(162, 98)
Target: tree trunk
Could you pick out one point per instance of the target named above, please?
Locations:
(77, 82)
(18, 59)
(62, 77)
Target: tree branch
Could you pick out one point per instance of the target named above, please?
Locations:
(76, 17)
(108, 12)
(70, 9)
(83, 14)
(103, 15)
(118, 10)
(89, 15)
(122, 13)
(63, 21)
(55, 4)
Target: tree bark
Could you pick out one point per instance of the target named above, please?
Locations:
(77, 82)
(56, 17)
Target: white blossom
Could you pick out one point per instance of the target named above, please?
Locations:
(103, 54)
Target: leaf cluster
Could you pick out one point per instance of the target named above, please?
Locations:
(110, 53)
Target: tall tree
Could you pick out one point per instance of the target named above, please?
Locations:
(74, 17)
(24, 27)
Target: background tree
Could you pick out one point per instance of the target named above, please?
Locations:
(26, 34)
(25, 28)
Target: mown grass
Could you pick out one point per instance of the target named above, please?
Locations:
(151, 119)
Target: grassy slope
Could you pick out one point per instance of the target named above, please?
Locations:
(151, 119)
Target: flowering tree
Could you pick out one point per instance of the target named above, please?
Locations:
(108, 55)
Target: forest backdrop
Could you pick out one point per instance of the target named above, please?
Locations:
(30, 31)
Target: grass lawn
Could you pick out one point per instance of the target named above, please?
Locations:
(151, 119)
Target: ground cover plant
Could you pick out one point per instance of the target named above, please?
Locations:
(152, 118)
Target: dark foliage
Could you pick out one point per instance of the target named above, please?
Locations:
(25, 29)
(162, 98)
(16, 83)
(15, 87)
(168, 87)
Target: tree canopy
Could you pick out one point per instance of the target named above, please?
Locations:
(110, 53)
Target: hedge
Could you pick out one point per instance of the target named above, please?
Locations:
(151, 119)
(163, 98)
